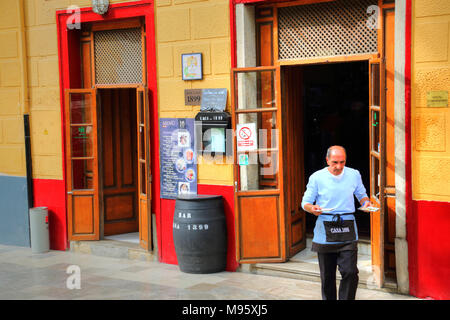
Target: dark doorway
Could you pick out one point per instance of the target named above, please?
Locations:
(118, 169)
(336, 112)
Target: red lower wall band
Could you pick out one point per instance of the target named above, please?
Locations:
(51, 194)
(428, 228)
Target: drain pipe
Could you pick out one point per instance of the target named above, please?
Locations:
(25, 100)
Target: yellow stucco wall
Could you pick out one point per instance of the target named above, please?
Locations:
(181, 26)
(12, 146)
(45, 108)
(187, 26)
(430, 126)
(43, 85)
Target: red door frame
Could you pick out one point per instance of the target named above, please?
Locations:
(69, 60)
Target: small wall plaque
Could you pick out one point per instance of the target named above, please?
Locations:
(192, 97)
(437, 99)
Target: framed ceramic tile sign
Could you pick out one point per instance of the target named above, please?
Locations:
(191, 64)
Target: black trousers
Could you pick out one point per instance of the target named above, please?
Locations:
(346, 261)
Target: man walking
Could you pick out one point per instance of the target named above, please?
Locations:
(329, 196)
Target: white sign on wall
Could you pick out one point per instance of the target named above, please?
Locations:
(246, 137)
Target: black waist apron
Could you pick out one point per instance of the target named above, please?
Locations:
(338, 230)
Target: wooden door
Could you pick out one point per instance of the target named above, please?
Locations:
(258, 172)
(119, 160)
(293, 157)
(144, 172)
(377, 150)
(82, 164)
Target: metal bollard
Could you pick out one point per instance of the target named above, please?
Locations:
(39, 233)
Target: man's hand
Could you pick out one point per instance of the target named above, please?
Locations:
(366, 203)
(314, 209)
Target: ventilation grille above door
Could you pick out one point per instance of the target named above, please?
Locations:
(118, 56)
(327, 29)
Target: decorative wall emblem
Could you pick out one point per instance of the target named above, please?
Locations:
(100, 6)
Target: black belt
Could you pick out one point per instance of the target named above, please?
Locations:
(337, 216)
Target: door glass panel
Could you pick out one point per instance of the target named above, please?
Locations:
(142, 143)
(80, 108)
(260, 171)
(375, 127)
(255, 89)
(258, 163)
(375, 84)
(375, 189)
(262, 120)
(141, 107)
(82, 174)
(81, 141)
(143, 184)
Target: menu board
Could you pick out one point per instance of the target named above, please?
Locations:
(178, 168)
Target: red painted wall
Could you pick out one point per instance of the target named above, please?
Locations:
(167, 249)
(428, 230)
(51, 194)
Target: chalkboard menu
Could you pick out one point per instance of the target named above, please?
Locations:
(178, 168)
(214, 100)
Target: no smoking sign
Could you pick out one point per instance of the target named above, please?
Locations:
(245, 133)
(246, 137)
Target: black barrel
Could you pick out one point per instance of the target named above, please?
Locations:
(200, 233)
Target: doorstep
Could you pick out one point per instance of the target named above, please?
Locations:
(304, 266)
(113, 249)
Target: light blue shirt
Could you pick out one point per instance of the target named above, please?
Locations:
(330, 191)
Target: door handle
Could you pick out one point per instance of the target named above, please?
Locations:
(69, 192)
(389, 195)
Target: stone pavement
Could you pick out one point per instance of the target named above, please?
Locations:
(24, 275)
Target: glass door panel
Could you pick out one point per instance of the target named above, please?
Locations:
(82, 164)
(259, 198)
(144, 173)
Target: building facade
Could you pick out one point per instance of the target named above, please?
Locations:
(301, 71)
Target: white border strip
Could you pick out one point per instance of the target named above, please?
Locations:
(401, 245)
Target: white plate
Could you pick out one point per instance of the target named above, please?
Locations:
(327, 209)
(369, 209)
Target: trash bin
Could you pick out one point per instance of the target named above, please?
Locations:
(39, 234)
(200, 233)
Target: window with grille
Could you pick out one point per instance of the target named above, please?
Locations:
(328, 29)
(118, 56)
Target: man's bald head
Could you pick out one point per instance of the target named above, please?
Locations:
(336, 150)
